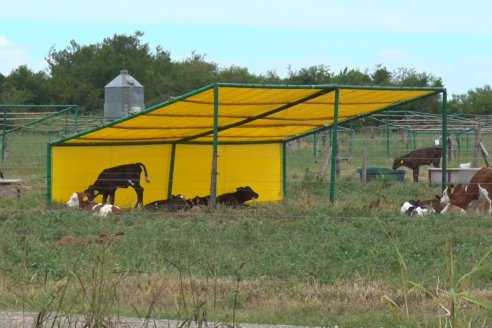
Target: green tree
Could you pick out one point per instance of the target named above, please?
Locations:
(190, 74)
(79, 73)
(270, 77)
(352, 77)
(475, 101)
(317, 74)
(381, 76)
(236, 74)
(411, 78)
(23, 86)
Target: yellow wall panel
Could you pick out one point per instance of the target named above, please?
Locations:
(75, 168)
(257, 166)
(192, 170)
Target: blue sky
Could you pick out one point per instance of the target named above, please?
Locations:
(449, 39)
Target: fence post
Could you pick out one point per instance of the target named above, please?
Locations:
(364, 165)
(476, 148)
(4, 134)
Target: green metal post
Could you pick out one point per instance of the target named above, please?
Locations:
(414, 138)
(213, 182)
(48, 174)
(387, 136)
(4, 134)
(171, 172)
(284, 169)
(458, 142)
(444, 140)
(76, 118)
(334, 148)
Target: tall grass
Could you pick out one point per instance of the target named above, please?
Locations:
(303, 261)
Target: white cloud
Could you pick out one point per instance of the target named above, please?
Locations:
(13, 56)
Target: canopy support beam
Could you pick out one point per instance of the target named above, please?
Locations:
(444, 140)
(215, 146)
(334, 148)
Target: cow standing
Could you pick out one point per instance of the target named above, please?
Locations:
(122, 176)
(413, 160)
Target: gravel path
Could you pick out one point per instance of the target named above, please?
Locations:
(26, 320)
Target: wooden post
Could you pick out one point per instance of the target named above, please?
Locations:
(487, 158)
(364, 165)
(325, 164)
(315, 147)
(476, 147)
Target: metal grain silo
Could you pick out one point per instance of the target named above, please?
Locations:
(123, 96)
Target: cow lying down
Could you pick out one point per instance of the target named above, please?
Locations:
(179, 202)
(173, 204)
(237, 198)
(80, 200)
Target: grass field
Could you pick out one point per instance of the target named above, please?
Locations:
(301, 262)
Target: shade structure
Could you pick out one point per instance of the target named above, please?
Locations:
(229, 115)
(247, 114)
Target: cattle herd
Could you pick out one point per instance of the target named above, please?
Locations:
(128, 175)
(473, 196)
(476, 194)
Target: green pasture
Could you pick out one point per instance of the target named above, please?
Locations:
(302, 262)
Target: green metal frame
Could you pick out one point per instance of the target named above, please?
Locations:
(171, 172)
(48, 173)
(334, 148)
(216, 129)
(66, 108)
(215, 148)
(444, 140)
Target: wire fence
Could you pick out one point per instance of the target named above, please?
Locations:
(302, 240)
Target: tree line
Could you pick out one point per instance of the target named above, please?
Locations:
(77, 75)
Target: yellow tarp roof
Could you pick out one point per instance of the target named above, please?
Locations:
(247, 114)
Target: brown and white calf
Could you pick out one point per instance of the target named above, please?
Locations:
(478, 190)
(80, 200)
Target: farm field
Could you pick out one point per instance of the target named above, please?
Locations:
(300, 262)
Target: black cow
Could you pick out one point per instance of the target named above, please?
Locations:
(197, 201)
(414, 159)
(122, 176)
(173, 204)
(238, 198)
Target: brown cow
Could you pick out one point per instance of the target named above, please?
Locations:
(414, 159)
(478, 190)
